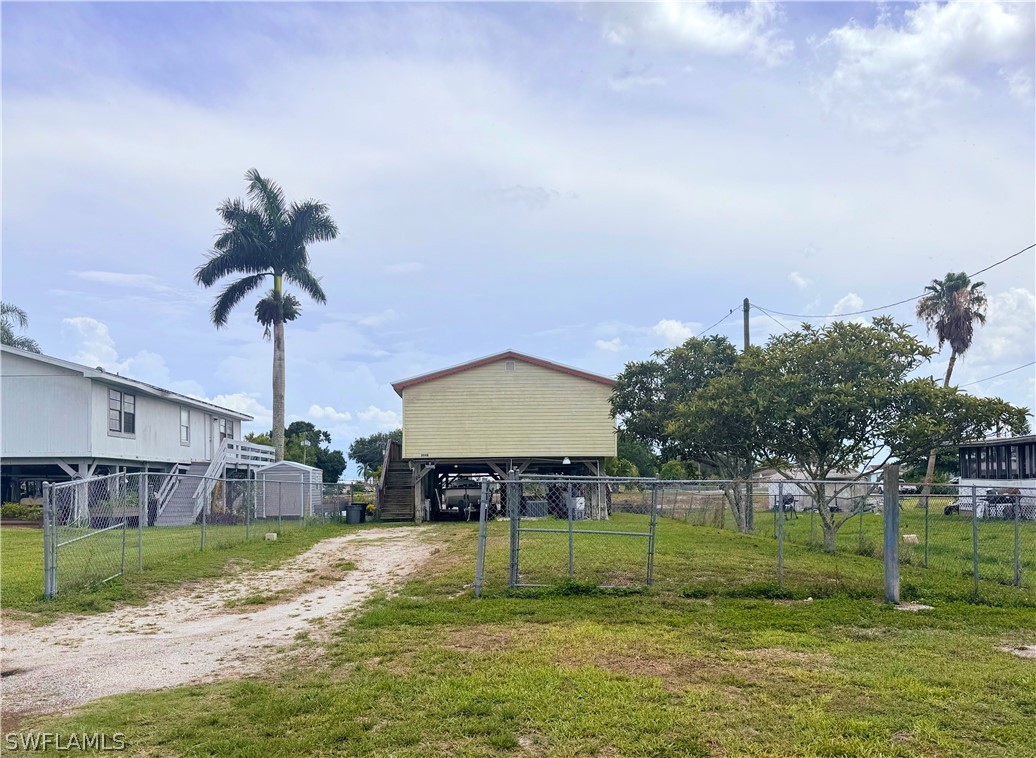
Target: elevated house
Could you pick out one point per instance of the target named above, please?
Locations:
(483, 418)
(63, 421)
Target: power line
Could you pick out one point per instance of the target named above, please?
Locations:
(710, 328)
(767, 314)
(1002, 373)
(898, 302)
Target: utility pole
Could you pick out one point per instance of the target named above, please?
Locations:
(747, 306)
(750, 504)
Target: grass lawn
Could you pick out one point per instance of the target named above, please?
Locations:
(171, 556)
(706, 663)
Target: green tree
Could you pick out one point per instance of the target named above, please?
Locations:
(951, 308)
(647, 392)
(673, 470)
(838, 399)
(659, 402)
(621, 467)
(267, 238)
(637, 453)
(317, 453)
(369, 452)
(12, 317)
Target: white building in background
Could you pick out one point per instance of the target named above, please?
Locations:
(62, 421)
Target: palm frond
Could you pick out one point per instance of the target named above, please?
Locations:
(26, 343)
(233, 294)
(303, 278)
(8, 310)
(309, 221)
(267, 196)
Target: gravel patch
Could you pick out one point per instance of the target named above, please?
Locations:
(197, 633)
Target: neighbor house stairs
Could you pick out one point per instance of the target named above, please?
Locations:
(181, 505)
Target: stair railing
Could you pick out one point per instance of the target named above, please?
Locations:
(165, 492)
(393, 453)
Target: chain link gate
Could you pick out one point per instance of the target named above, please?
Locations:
(566, 529)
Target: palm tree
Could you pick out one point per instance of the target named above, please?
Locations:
(9, 316)
(267, 238)
(950, 309)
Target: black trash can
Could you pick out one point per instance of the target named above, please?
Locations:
(354, 513)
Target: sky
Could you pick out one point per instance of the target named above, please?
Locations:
(587, 183)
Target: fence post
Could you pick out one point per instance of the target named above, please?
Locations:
(142, 510)
(927, 500)
(891, 524)
(248, 503)
(203, 509)
(974, 534)
(50, 584)
(780, 535)
(651, 531)
(480, 558)
(1017, 542)
(514, 509)
(571, 547)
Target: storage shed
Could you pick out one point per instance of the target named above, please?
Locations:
(287, 489)
(482, 418)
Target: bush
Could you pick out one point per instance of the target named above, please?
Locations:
(20, 512)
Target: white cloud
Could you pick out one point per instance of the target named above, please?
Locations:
(326, 411)
(626, 79)
(406, 267)
(377, 319)
(245, 403)
(702, 27)
(119, 279)
(383, 419)
(674, 332)
(612, 345)
(799, 280)
(96, 348)
(1006, 340)
(848, 304)
(888, 76)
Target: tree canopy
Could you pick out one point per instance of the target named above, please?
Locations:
(12, 317)
(369, 452)
(267, 238)
(318, 453)
(840, 398)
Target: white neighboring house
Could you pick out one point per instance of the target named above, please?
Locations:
(997, 474)
(851, 490)
(63, 421)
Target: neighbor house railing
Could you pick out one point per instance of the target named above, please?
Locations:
(234, 452)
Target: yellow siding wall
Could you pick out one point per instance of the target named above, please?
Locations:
(491, 412)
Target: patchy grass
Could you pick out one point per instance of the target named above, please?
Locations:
(709, 662)
(21, 567)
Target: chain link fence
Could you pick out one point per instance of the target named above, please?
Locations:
(99, 528)
(809, 538)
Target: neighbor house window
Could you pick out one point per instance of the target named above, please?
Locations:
(122, 412)
(185, 426)
(222, 423)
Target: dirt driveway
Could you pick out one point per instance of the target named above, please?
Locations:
(202, 632)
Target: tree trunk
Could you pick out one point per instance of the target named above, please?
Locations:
(829, 536)
(278, 390)
(929, 473)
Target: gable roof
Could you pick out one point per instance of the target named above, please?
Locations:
(507, 355)
(122, 381)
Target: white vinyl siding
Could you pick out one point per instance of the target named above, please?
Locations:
(508, 409)
(60, 426)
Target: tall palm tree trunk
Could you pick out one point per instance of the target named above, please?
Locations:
(278, 381)
(930, 471)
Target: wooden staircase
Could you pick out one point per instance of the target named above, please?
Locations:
(397, 493)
